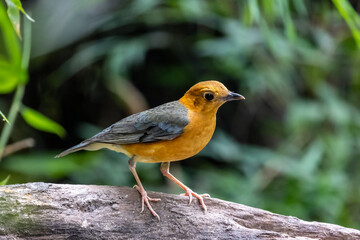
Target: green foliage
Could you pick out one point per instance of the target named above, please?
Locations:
(41, 122)
(351, 17)
(4, 117)
(45, 166)
(11, 72)
(14, 8)
(291, 147)
(3, 182)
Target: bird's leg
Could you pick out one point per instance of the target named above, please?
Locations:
(144, 197)
(188, 192)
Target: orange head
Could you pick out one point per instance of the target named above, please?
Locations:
(208, 96)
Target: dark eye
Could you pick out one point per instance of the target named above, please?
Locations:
(209, 96)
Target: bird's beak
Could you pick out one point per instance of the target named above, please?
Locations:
(233, 96)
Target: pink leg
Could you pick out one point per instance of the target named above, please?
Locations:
(144, 197)
(188, 192)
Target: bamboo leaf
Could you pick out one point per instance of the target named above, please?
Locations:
(14, 8)
(18, 4)
(4, 118)
(10, 76)
(9, 40)
(4, 182)
(351, 17)
(14, 16)
(41, 122)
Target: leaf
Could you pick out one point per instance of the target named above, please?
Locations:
(14, 15)
(7, 82)
(8, 40)
(11, 72)
(17, 3)
(4, 118)
(19, 6)
(289, 24)
(14, 7)
(351, 17)
(10, 76)
(39, 121)
(3, 182)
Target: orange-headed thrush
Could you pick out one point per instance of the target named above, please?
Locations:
(170, 132)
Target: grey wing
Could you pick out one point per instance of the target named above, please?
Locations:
(164, 122)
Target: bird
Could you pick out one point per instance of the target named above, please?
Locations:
(170, 132)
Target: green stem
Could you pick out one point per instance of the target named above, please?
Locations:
(19, 94)
(15, 107)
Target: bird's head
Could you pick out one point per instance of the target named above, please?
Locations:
(208, 96)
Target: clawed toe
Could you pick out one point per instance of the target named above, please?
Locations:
(190, 193)
(145, 200)
(154, 199)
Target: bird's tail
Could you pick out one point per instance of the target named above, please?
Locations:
(75, 148)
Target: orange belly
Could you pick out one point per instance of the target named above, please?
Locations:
(195, 137)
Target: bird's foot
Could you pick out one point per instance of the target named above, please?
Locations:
(190, 193)
(145, 200)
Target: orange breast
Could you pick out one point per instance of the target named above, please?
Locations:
(195, 137)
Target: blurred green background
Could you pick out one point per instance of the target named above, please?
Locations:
(292, 147)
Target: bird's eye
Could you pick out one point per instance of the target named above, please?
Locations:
(209, 96)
